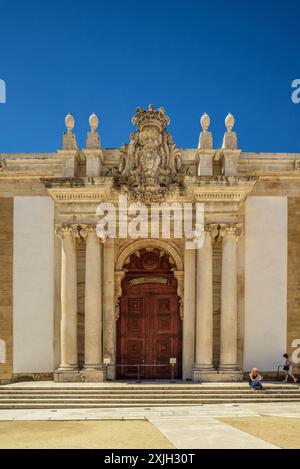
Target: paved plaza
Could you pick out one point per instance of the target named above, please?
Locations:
(196, 427)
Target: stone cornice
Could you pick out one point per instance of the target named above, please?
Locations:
(68, 190)
(220, 188)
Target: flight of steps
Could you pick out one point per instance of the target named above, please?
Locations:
(139, 395)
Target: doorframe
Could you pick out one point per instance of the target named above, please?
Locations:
(170, 248)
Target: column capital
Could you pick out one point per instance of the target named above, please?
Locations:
(230, 229)
(212, 229)
(62, 230)
(86, 229)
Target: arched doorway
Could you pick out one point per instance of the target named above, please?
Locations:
(149, 328)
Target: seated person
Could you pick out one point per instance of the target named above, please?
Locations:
(255, 380)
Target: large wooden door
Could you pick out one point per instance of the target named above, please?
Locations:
(149, 330)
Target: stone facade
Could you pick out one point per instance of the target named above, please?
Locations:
(89, 269)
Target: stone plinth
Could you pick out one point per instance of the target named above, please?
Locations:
(65, 376)
(92, 376)
(200, 376)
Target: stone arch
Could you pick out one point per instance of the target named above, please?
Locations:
(149, 243)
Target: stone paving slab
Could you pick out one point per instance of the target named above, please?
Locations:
(282, 409)
(212, 410)
(228, 410)
(207, 433)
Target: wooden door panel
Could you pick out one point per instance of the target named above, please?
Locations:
(149, 331)
(167, 326)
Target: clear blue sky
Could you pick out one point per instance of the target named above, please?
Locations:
(188, 56)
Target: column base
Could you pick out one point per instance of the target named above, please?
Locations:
(230, 367)
(90, 375)
(201, 367)
(216, 376)
(66, 375)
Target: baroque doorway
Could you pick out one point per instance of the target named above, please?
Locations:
(149, 329)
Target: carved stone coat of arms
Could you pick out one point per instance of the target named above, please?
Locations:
(150, 165)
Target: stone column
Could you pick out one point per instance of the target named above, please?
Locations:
(109, 318)
(93, 305)
(204, 304)
(228, 333)
(188, 358)
(68, 370)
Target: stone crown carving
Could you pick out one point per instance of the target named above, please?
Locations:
(150, 165)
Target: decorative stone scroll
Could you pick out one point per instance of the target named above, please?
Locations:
(179, 275)
(212, 229)
(86, 229)
(118, 292)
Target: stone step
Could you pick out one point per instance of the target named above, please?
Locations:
(246, 394)
(134, 399)
(134, 404)
(150, 388)
(12, 390)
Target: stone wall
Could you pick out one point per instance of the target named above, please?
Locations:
(6, 285)
(293, 291)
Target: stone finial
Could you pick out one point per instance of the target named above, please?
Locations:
(205, 122)
(93, 137)
(229, 122)
(69, 139)
(230, 137)
(70, 122)
(94, 122)
(205, 139)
